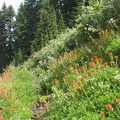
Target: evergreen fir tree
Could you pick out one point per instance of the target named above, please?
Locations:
(70, 11)
(6, 26)
(20, 32)
(47, 26)
(10, 27)
(60, 20)
(25, 26)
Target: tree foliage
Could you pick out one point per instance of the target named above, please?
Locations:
(6, 35)
(47, 26)
(25, 27)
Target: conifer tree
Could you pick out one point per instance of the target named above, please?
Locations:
(47, 26)
(3, 36)
(69, 10)
(25, 27)
(6, 32)
(60, 20)
(20, 31)
(10, 27)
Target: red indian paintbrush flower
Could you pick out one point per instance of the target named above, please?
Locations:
(46, 106)
(109, 106)
(69, 54)
(1, 117)
(60, 57)
(102, 114)
(117, 100)
(110, 54)
(92, 64)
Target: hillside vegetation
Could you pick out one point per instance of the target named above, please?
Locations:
(74, 77)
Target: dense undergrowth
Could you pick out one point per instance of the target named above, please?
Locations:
(78, 75)
(85, 82)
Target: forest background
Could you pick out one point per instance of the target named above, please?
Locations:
(35, 23)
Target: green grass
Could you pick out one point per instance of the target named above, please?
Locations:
(19, 102)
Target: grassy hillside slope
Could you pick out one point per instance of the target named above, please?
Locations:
(76, 76)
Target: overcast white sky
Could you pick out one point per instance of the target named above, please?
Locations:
(14, 3)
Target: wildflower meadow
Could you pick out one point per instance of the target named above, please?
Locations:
(75, 76)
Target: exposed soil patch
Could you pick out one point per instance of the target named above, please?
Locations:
(39, 109)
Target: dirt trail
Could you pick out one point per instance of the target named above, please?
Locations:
(39, 107)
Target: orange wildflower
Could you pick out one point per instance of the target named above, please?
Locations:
(99, 47)
(82, 78)
(97, 71)
(0, 91)
(76, 64)
(60, 57)
(46, 106)
(92, 64)
(51, 82)
(110, 54)
(97, 60)
(117, 100)
(4, 77)
(10, 90)
(63, 79)
(75, 53)
(69, 54)
(90, 72)
(75, 83)
(56, 80)
(14, 110)
(109, 106)
(104, 64)
(102, 114)
(13, 100)
(83, 67)
(69, 68)
(87, 75)
(100, 59)
(95, 57)
(85, 45)
(1, 117)
(9, 107)
(5, 97)
(76, 71)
